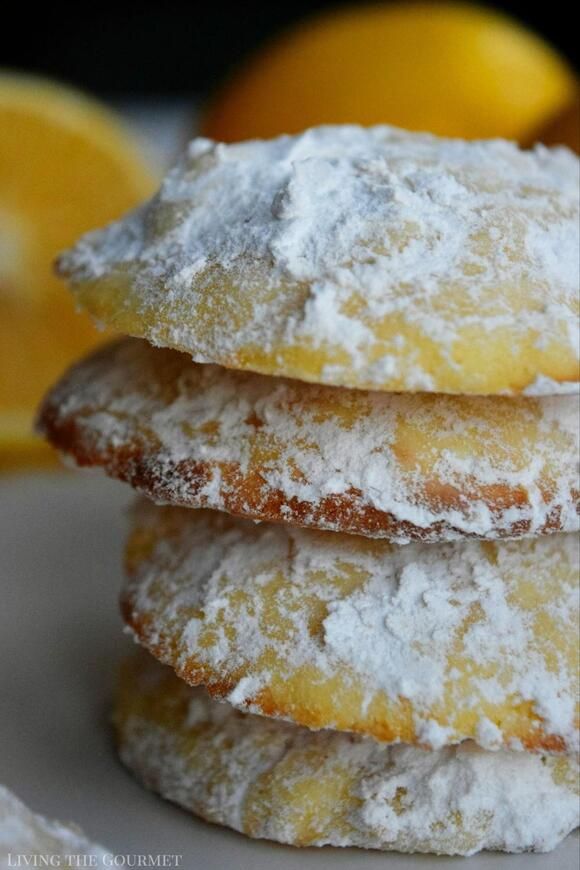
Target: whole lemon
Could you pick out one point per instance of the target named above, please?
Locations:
(451, 68)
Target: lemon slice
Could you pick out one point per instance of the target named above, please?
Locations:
(66, 165)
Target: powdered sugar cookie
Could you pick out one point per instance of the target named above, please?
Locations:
(273, 780)
(427, 644)
(395, 466)
(370, 258)
(29, 840)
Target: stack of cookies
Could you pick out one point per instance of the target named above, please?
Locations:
(351, 400)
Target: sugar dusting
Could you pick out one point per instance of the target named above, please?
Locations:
(447, 627)
(28, 837)
(459, 800)
(309, 444)
(325, 234)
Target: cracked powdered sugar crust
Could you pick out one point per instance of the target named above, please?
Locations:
(277, 781)
(425, 644)
(370, 258)
(401, 467)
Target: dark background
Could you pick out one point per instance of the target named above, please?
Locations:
(179, 49)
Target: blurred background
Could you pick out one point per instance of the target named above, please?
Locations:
(185, 49)
(97, 99)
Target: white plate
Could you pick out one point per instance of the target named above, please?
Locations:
(60, 640)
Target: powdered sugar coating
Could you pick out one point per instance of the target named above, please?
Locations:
(546, 387)
(370, 258)
(395, 466)
(26, 836)
(426, 644)
(274, 780)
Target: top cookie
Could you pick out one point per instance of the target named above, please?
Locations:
(368, 258)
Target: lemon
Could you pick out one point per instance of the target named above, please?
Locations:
(450, 68)
(66, 166)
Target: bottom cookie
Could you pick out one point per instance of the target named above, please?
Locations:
(270, 779)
